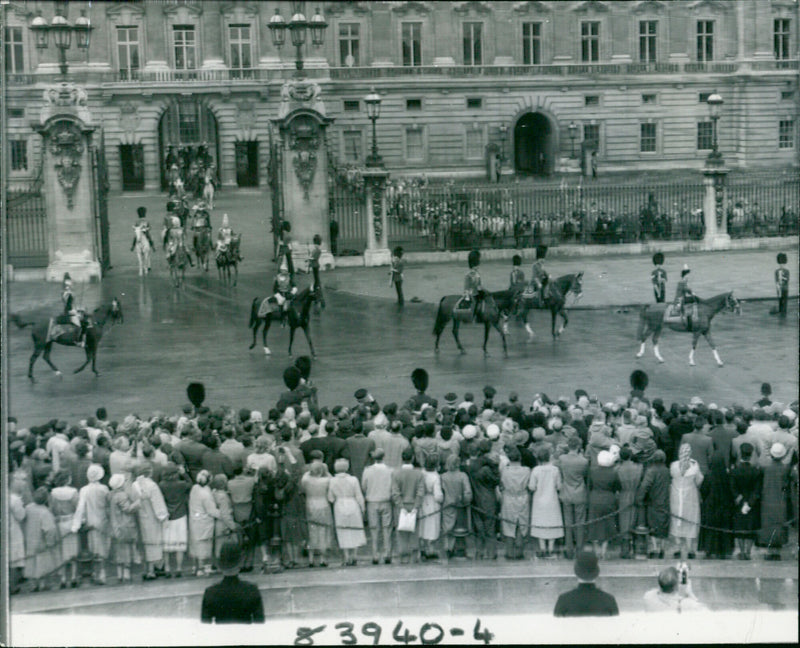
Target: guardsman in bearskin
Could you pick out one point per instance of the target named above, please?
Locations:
(473, 289)
(684, 295)
(517, 278)
(142, 241)
(782, 284)
(658, 277)
(539, 276)
(284, 290)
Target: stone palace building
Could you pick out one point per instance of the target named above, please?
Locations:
(542, 84)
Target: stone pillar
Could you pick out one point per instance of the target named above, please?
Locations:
(714, 208)
(156, 52)
(377, 252)
(763, 31)
(304, 166)
(620, 38)
(212, 39)
(66, 130)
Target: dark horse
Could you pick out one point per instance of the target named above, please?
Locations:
(555, 301)
(493, 312)
(109, 313)
(229, 259)
(652, 319)
(298, 317)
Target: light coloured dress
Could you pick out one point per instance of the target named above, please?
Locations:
(515, 507)
(202, 513)
(546, 520)
(63, 504)
(16, 509)
(92, 512)
(42, 550)
(318, 512)
(684, 500)
(152, 514)
(122, 516)
(345, 494)
(430, 523)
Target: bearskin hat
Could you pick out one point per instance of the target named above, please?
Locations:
(142, 211)
(419, 378)
(291, 377)
(639, 380)
(197, 393)
(541, 252)
(782, 257)
(474, 258)
(658, 258)
(170, 206)
(516, 260)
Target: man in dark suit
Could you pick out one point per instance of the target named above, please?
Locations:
(232, 600)
(586, 599)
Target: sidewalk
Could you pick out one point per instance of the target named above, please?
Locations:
(609, 281)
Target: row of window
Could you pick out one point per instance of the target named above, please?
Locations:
(240, 44)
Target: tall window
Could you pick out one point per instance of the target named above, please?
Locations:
(415, 147)
(14, 60)
(352, 146)
(532, 43)
(239, 37)
(591, 136)
(19, 155)
(705, 135)
(590, 41)
(647, 138)
(188, 125)
(348, 44)
(786, 134)
(474, 148)
(648, 30)
(780, 37)
(412, 43)
(473, 43)
(128, 51)
(185, 47)
(705, 40)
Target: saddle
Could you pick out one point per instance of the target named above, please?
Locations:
(674, 315)
(269, 305)
(61, 325)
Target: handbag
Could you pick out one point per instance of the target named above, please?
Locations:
(407, 521)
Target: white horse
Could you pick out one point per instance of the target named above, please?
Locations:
(208, 188)
(141, 245)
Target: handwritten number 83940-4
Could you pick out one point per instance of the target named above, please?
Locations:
(429, 634)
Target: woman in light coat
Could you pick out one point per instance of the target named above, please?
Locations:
(515, 506)
(42, 547)
(152, 514)
(684, 502)
(430, 523)
(63, 504)
(92, 513)
(123, 506)
(16, 553)
(344, 492)
(224, 526)
(457, 494)
(315, 484)
(202, 513)
(546, 522)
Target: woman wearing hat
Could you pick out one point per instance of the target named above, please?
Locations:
(774, 532)
(152, 513)
(430, 522)
(344, 493)
(457, 494)
(684, 502)
(224, 526)
(42, 550)
(684, 294)
(603, 485)
(546, 522)
(746, 481)
(63, 504)
(314, 485)
(202, 513)
(653, 496)
(122, 509)
(514, 503)
(175, 486)
(92, 513)
(16, 548)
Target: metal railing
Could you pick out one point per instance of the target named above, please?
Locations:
(348, 208)
(764, 205)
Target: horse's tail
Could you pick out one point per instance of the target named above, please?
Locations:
(253, 314)
(441, 318)
(18, 321)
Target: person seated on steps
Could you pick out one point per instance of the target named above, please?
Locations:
(284, 290)
(539, 277)
(683, 296)
(473, 289)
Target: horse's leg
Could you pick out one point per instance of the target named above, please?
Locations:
(255, 332)
(502, 337)
(267, 320)
(235, 273)
(486, 338)
(47, 348)
(83, 366)
(563, 312)
(656, 337)
(291, 338)
(310, 343)
(37, 351)
(553, 323)
(695, 338)
(643, 338)
(713, 346)
(455, 335)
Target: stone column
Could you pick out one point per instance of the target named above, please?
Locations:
(716, 235)
(619, 25)
(212, 39)
(763, 31)
(66, 130)
(156, 50)
(377, 252)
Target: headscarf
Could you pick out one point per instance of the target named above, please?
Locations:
(116, 481)
(684, 457)
(95, 472)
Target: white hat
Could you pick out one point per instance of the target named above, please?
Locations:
(686, 268)
(493, 431)
(555, 423)
(605, 458)
(225, 220)
(778, 451)
(256, 417)
(508, 425)
(469, 432)
(789, 413)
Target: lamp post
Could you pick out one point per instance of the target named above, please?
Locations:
(714, 102)
(373, 101)
(298, 27)
(573, 131)
(62, 31)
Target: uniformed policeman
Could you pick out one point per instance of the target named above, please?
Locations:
(782, 284)
(658, 277)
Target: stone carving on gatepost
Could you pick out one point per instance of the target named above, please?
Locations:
(66, 127)
(377, 252)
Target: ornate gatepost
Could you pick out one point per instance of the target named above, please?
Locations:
(301, 123)
(377, 252)
(714, 208)
(65, 125)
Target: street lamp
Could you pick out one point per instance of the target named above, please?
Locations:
(714, 102)
(573, 131)
(62, 34)
(298, 27)
(373, 101)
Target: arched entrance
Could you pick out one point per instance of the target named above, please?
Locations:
(534, 144)
(187, 123)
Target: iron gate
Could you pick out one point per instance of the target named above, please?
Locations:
(27, 226)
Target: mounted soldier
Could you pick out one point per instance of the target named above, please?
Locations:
(142, 241)
(658, 277)
(72, 314)
(683, 296)
(516, 280)
(284, 291)
(176, 242)
(473, 288)
(539, 276)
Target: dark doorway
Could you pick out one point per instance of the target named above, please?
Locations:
(247, 164)
(534, 145)
(187, 124)
(131, 157)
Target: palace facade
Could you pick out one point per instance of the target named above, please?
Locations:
(543, 84)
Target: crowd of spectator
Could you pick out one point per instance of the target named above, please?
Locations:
(158, 495)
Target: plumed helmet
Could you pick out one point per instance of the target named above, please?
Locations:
(474, 259)
(686, 270)
(658, 258)
(196, 392)
(639, 380)
(419, 378)
(142, 211)
(225, 220)
(782, 257)
(541, 252)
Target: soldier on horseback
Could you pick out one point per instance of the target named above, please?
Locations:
(284, 291)
(539, 276)
(658, 277)
(72, 314)
(224, 236)
(141, 233)
(176, 241)
(473, 289)
(517, 278)
(683, 296)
